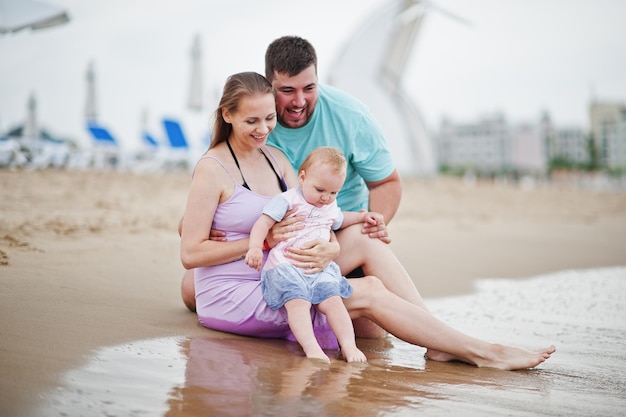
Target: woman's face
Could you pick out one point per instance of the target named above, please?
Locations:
(253, 120)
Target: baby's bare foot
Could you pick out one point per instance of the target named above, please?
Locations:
(317, 354)
(353, 354)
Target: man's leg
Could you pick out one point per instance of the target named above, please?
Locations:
(365, 327)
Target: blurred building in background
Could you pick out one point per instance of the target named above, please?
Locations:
(493, 146)
(608, 131)
(482, 146)
(566, 145)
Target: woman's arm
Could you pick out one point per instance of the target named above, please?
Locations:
(208, 185)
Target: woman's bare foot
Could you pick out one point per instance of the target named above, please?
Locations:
(353, 354)
(511, 358)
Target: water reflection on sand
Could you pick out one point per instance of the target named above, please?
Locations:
(580, 311)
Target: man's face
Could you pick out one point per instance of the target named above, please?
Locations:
(296, 97)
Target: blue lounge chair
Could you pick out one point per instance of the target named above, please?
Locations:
(101, 135)
(149, 141)
(175, 134)
(178, 155)
(106, 151)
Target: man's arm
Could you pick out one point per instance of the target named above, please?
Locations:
(385, 195)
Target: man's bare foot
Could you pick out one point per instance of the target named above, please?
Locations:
(438, 356)
(511, 358)
(353, 354)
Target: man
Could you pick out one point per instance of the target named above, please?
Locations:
(312, 115)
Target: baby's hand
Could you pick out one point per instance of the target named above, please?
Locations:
(374, 226)
(254, 258)
(373, 219)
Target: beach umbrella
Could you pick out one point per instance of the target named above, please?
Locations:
(91, 110)
(31, 129)
(194, 101)
(16, 15)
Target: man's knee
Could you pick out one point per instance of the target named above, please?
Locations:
(371, 292)
(374, 287)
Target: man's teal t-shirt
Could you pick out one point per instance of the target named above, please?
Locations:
(343, 122)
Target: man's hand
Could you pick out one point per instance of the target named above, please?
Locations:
(217, 235)
(374, 226)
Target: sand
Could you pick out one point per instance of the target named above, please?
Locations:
(90, 259)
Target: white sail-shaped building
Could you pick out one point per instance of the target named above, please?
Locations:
(371, 67)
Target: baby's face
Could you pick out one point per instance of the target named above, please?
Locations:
(320, 184)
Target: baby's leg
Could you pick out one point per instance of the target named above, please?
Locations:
(340, 322)
(299, 317)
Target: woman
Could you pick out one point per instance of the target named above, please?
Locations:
(230, 186)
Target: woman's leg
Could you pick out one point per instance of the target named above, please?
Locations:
(340, 322)
(299, 317)
(418, 326)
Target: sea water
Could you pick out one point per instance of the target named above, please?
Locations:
(581, 312)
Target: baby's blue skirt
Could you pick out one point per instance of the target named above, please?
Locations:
(287, 282)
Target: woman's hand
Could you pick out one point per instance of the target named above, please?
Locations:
(313, 256)
(284, 229)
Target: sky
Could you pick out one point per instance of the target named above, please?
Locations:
(518, 58)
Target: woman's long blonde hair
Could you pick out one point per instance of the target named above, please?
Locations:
(237, 86)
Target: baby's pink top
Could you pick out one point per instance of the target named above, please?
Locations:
(318, 221)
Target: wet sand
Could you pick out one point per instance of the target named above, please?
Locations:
(91, 318)
(581, 311)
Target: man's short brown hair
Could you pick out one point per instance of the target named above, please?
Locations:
(289, 55)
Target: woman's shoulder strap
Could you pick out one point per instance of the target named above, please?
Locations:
(216, 160)
(279, 174)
